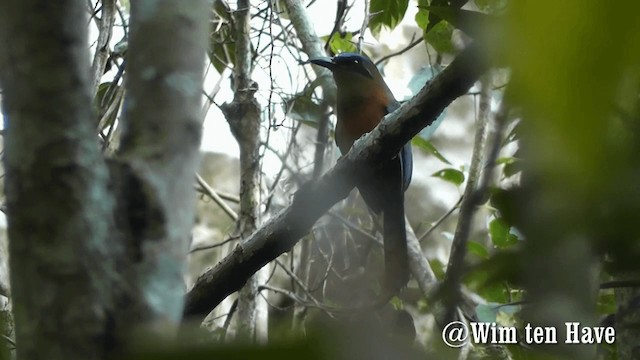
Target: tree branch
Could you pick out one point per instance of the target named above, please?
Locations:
(101, 55)
(314, 198)
(470, 201)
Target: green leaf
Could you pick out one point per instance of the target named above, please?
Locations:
(99, 98)
(471, 22)
(501, 235)
(451, 175)
(477, 249)
(427, 146)
(438, 268)
(512, 168)
(339, 44)
(440, 37)
(422, 16)
(505, 160)
(221, 46)
(386, 13)
(302, 108)
(396, 302)
(512, 165)
(508, 202)
(480, 282)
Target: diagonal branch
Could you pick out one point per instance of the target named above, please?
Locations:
(314, 198)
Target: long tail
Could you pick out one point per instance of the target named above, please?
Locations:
(396, 261)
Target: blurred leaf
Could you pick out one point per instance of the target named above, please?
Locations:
(489, 30)
(607, 303)
(505, 160)
(396, 302)
(503, 267)
(451, 175)
(339, 44)
(437, 267)
(422, 16)
(221, 46)
(302, 108)
(434, 19)
(440, 37)
(100, 94)
(512, 165)
(508, 203)
(557, 90)
(491, 6)
(471, 22)
(428, 147)
(512, 168)
(477, 249)
(386, 13)
(500, 234)
(222, 10)
(480, 281)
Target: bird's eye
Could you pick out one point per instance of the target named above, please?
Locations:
(356, 61)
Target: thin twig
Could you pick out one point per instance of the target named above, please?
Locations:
(227, 321)
(101, 55)
(213, 246)
(440, 220)
(411, 45)
(224, 195)
(216, 198)
(365, 24)
(355, 228)
(298, 282)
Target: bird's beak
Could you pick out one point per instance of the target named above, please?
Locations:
(324, 62)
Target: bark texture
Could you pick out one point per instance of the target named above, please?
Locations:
(243, 116)
(58, 204)
(159, 153)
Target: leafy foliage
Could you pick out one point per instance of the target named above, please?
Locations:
(428, 147)
(221, 45)
(386, 13)
(436, 33)
(302, 108)
(342, 43)
(453, 176)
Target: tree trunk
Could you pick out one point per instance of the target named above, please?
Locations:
(97, 250)
(159, 155)
(58, 204)
(243, 116)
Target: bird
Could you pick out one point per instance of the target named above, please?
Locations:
(362, 100)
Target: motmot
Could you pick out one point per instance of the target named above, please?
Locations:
(363, 99)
